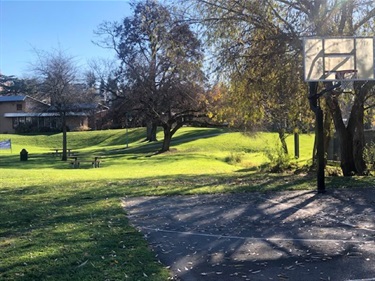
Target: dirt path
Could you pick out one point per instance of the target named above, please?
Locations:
(256, 236)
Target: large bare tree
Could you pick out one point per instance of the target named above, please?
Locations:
(57, 74)
(161, 62)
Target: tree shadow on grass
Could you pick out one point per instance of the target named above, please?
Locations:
(152, 148)
(66, 233)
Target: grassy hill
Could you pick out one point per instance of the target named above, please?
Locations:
(194, 151)
(60, 223)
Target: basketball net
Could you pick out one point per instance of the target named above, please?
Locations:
(346, 80)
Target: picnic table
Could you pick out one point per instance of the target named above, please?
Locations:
(75, 162)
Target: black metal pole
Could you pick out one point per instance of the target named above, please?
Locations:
(314, 105)
(320, 150)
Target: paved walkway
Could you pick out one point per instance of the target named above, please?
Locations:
(255, 236)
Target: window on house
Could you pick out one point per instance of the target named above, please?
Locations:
(19, 106)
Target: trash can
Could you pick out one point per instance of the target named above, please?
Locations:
(24, 155)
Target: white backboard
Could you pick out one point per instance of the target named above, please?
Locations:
(324, 56)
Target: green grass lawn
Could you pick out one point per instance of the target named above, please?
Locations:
(60, 223)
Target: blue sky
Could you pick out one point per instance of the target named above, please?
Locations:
(46, 25)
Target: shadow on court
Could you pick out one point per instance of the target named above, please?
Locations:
(294, 235)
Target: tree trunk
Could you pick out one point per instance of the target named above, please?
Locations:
(356, 128)
(64, 156)
(351, 138)
(345, 138)
(151, 131)
(167, 138)
(346, 152)
(282, 138)
(169, 128)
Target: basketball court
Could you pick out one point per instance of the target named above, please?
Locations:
(294, 235)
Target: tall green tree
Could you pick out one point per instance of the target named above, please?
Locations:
(11, 85)
(161, 60)
(263, 74)
(235, 27)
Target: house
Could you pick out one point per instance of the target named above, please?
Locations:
(16, 110)
(23, 114)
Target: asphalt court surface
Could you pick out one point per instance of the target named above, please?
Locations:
(292, 235)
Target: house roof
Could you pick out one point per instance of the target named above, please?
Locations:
(12, 98)
(42, 114)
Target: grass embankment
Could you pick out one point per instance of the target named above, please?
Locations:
(59, 223)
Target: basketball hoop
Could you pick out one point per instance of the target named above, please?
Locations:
(337, 62)
(346, 80)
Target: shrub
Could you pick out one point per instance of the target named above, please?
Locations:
(234, 158)
(25, 128)
(333, 171)
(279, 160)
